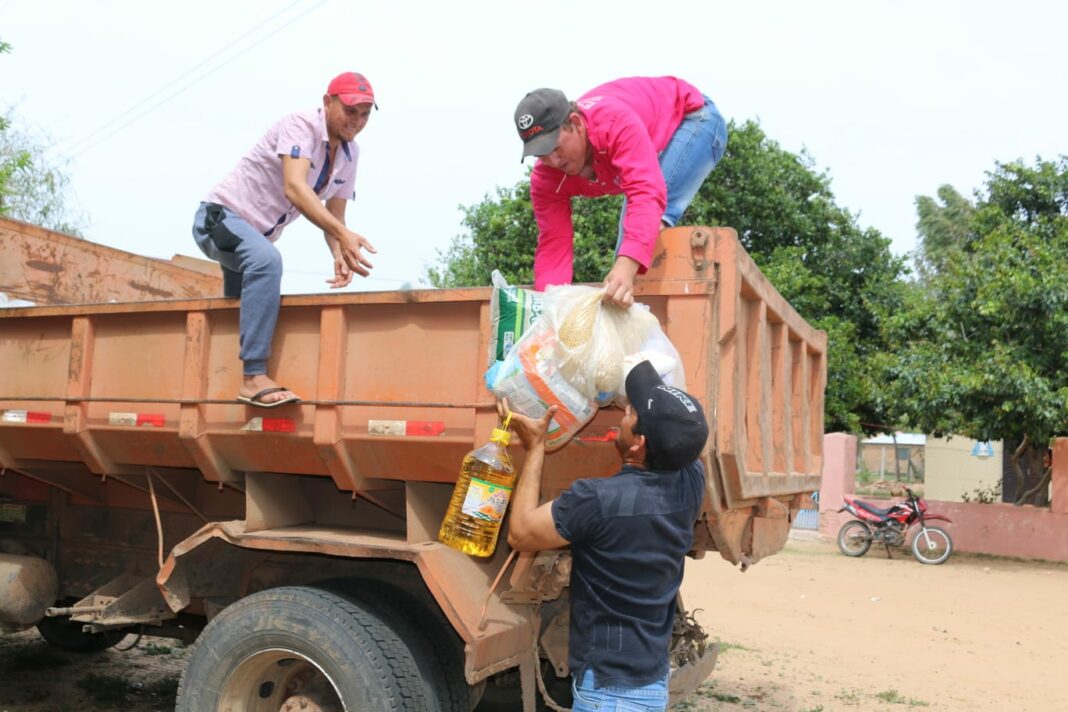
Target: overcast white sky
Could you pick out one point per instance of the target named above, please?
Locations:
(154, 102)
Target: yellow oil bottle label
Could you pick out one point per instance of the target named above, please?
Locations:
(486, 500)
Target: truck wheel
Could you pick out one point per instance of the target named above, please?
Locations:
(437, 650)
(298, 648)
(68, 635)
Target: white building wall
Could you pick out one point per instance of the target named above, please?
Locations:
(958, 465)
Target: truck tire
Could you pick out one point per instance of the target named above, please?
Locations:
(299, 646)
(436, 648)
(68, 635)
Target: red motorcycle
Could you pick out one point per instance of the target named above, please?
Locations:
(931, 545)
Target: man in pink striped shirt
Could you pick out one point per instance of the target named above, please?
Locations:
(305, 164)
(653, 139)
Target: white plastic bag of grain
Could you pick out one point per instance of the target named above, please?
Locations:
(662, 354)
(595, 337)
(530, 380)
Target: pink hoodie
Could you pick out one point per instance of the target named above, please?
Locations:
(628, 122)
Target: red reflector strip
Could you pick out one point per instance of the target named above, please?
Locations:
(405, 427)
(610, 436)
(26, 416)
(279, 425)
(424, 427)
(155, 420)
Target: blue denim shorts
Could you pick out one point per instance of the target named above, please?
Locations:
(587, 698)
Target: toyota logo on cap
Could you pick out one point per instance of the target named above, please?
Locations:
(525, 121)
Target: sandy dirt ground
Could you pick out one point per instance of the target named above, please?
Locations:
(810, 630)
(807, 630)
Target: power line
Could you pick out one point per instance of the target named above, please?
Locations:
(309, 273)
(107, 124)
(137, 116)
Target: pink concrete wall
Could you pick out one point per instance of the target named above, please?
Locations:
(1006, 530)
(1000, 529)
(1059, 500)
(839, 477)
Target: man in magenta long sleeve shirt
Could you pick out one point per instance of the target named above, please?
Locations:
(653, 139)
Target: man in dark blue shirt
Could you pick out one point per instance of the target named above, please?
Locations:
(629, 535)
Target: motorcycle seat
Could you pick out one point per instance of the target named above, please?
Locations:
(872, 508)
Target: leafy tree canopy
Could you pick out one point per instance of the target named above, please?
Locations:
(32, 185)
(942, 229)
(985, 347)
(840, 277)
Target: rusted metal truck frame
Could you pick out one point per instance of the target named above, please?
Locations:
(158, 500)
(43, 266)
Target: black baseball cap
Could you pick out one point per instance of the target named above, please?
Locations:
(538, 119)
(671, 420)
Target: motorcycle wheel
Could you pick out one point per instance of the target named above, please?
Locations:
(932, 546)
(854, 538)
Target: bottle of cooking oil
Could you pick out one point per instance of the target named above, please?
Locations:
(480, 497)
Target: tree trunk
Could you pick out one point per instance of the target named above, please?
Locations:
(1037, 495)
(1038, 491)
(1021, 481)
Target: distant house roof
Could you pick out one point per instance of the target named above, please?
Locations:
(902, 439)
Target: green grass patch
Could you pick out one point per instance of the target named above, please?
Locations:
(895, 697)
(153, 649)
(724, 646)
(705, 691)
(849, 697)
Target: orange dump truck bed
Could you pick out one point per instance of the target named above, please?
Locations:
(47, 267)
(130, 405)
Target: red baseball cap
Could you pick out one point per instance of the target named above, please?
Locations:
(352, 88)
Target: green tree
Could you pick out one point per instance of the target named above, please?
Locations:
(6, 168)
(943, 228)
(33, 186)
(986, 346)
(840, 277)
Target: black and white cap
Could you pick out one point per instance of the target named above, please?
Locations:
(671, 420)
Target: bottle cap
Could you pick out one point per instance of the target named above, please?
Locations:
(501, 435)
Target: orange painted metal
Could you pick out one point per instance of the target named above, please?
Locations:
(458, 582)
(360, 359)
(47, 267)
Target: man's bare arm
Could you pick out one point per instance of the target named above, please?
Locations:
(531, 526)
(304, 199)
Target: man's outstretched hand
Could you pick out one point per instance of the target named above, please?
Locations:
(342, 274)
(352, 253)
(531, 432)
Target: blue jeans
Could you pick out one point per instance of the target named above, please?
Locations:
(252, 270)
(693, 151)
(587, 698)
